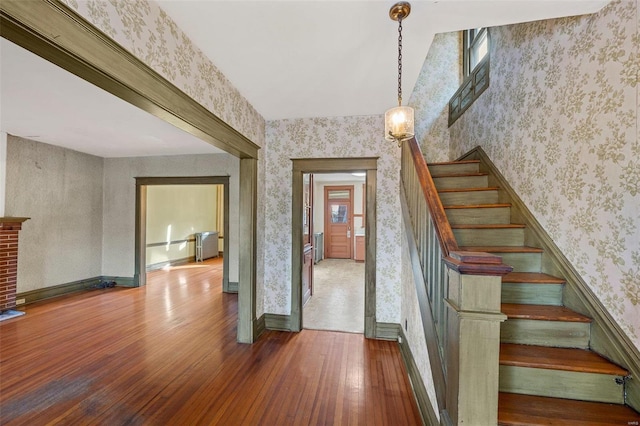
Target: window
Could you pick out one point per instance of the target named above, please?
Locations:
(475, 64)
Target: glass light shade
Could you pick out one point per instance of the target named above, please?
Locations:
(398, 124)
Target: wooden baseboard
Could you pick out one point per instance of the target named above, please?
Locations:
(174, 262)
(277, 322)
(63, 289)
(259, 326)
(230, 287)
(387, 331)
(419, 390)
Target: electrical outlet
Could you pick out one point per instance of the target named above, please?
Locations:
(405, 324)
(20, 301)
(400, 339)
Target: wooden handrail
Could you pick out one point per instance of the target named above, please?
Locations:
(441, 223)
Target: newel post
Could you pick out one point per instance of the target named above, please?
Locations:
(473, 337)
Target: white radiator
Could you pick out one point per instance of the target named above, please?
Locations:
(206, 245)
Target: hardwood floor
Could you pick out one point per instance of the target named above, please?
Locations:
(167, 354)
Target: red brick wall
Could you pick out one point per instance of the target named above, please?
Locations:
(8, 263)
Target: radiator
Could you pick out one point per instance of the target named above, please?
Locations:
(206, 245)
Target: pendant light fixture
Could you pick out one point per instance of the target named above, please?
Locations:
(398, 121)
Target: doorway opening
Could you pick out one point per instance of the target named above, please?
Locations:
(311, 247)
(336, 302)
(178, 223)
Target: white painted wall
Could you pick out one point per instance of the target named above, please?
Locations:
(120, 196)
(61, 191)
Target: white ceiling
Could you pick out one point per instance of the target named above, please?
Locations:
(290, 59)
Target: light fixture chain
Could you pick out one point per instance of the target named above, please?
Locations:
(399, 61)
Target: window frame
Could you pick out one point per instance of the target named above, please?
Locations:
(475, 81)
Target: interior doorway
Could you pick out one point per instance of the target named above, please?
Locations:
(366, 224)
(142, 247)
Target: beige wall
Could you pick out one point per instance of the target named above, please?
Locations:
(175, 213)
(61, 191)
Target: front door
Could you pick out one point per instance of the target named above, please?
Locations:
(338, 218)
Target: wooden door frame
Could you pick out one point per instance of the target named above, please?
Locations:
(60, 35)
(142, 183)
(334, 165)
(327, 220)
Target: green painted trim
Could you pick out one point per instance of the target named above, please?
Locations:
(259, 326)
(120, 281)
(607, 338)
(58, 34)
(174, 262)
(417, 384)
(277, 322)
(71, 287)
(325, 165)
(387, 331)
(247, 237)
(58, 290)
(231, 287)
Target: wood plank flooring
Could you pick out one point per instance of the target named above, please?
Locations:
(167, 354)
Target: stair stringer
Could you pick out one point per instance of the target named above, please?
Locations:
(607, 338)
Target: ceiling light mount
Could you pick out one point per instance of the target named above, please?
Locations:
(400, 11)
(398, 121)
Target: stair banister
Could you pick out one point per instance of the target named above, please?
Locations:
(460, 308)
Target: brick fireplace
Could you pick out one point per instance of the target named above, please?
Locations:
(9, 228)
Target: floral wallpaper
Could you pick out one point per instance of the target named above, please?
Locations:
(330, 138)
(437, 82)
(145, 30)
(560, 120)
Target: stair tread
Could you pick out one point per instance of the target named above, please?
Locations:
(567, 359)
(484, 188)
(477, 206)
(491, 226)
(446, 163)
(516, 409)
(465, 174)
(531, 277)
(502, 249)
(542, 312)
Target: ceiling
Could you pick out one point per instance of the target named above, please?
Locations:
(290, 59)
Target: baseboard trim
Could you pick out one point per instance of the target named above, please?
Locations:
(387, 331)
(417, 384)
(259, 327)
(72, 287)
(607, 338)
(277, 322)
(174, 262)
(230, 287)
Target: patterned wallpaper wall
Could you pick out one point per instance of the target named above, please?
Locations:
(330, 138)
(560, 120)
(438, 80)
(145, 30)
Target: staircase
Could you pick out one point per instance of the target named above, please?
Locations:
(548, 374)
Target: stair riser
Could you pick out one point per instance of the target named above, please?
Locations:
(479, 216)
(561, 384)
(458, 182)
(451, 169)
(522, 262)
(490, 237)
(562, 334)
(532, 294)
(468, 198)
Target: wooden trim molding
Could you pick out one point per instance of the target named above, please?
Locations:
(58, 34)
(71, 287)
(425, 406)
(387, 331)
(259, 326)
(277, 322)
(334, 165)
